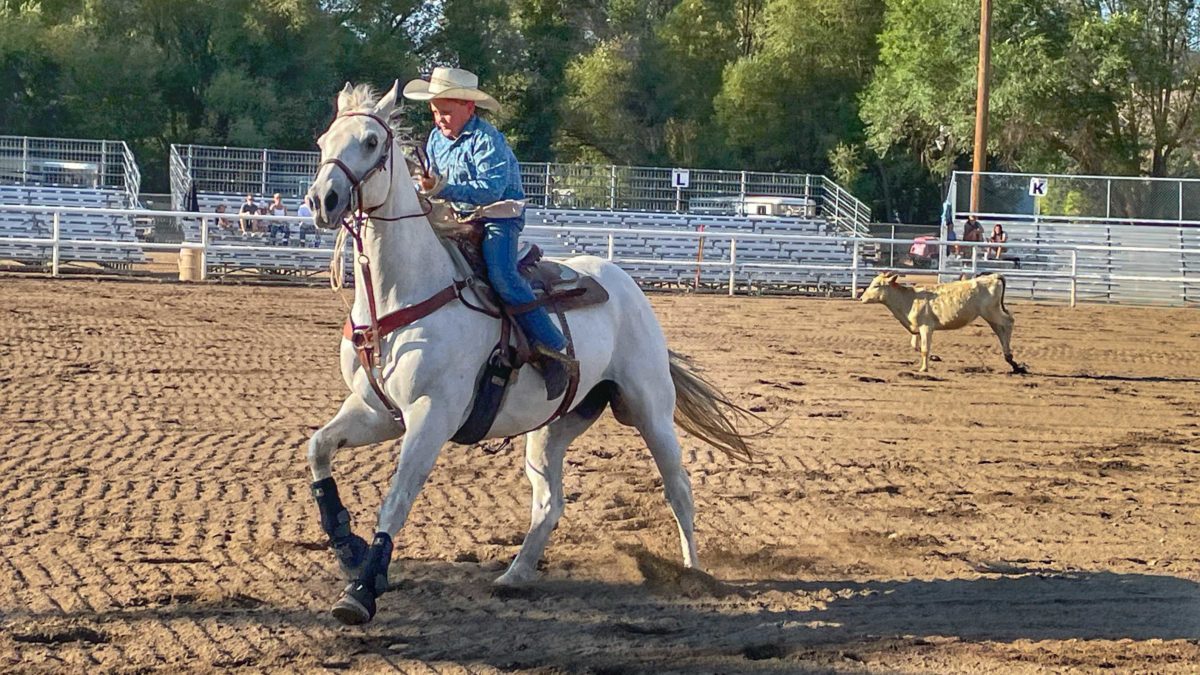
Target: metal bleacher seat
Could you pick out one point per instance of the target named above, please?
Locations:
(72, 226)
(283, 262)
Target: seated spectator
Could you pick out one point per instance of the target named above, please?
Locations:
(278, 227)
(951, 236)
(263, 226)
(277, 206)
(306, 228)
(972, 231)
(999, 236)
(248, 208)
(222, 223)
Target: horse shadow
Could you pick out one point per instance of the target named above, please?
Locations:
(684, 621)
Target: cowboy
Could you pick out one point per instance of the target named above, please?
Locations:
(471, 165)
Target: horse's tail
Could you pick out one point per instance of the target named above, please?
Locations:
(704, 412)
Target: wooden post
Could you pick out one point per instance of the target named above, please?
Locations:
(981, 99)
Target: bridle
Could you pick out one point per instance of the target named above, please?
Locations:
(386, 158)
(367, 340)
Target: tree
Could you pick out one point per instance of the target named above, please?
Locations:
(791, 101)
(1128, 68)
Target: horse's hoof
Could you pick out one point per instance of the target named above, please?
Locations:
(351, 554)
(513, 579)
(355, 606)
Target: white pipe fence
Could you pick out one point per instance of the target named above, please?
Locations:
(1071, 274)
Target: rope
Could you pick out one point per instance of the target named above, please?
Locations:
(337, 270)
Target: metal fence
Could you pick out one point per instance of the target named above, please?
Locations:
(1063, 273)
(70, 162)
(1129, 199)
(549, 185)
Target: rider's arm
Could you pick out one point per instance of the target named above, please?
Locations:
(491, 174)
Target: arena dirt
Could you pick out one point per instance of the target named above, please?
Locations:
(156, 517)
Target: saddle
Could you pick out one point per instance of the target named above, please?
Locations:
(557, 287)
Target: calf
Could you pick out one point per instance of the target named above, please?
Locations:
(946, 307)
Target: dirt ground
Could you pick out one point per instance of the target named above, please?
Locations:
(156, 514)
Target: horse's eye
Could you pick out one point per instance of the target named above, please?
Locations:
(372, 143)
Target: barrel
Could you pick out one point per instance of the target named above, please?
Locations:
(190, 261)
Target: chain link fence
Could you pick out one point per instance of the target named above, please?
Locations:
(1147, 200)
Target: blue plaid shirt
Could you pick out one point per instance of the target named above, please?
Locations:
(479, 167)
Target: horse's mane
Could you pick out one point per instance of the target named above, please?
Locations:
(362, 97)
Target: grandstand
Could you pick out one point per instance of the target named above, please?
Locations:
(1109, 228)
(54, 172)
(566, 201)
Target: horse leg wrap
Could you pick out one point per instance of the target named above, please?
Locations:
(335, 520)
(373, 580)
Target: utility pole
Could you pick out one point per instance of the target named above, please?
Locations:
(981, 99)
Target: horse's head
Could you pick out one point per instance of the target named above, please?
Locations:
(357, 154)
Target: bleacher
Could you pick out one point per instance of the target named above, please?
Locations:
(1182, 259)
(34, 224)
(759, 262)
(286, 236)
(68, 173)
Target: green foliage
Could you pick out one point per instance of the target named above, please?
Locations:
(880, 94)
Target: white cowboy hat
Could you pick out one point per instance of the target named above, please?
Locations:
(453, 83)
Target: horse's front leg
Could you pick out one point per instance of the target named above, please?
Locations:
(427, 433)
(354, 425)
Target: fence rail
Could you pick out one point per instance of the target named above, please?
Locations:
(549, 185)
(1068, 280)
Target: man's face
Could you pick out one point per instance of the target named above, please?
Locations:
(451, 115)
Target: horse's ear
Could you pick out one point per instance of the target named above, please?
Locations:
(388, 103)
(343, 98)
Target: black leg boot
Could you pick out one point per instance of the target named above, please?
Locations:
(349, 548)
(357, 602)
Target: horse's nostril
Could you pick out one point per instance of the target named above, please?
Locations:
(331, 201)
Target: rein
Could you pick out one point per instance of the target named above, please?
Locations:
(367, 340)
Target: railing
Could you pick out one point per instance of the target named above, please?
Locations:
(133, 176)
(71, 162)
(1070, 276)
(1127, 199)
(181, 178)
(550, 185)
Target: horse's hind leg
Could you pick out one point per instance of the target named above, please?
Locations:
(659, 433)
(544, 451)
(355, 424)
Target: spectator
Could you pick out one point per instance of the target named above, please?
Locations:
(276, 208)
(304, 210)
(306, 228)
(999, 236)
(222, 223)
(951, 236)
(248, 208)
(262, 226)
(972, 230)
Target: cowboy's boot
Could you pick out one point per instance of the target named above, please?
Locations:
(557, 370)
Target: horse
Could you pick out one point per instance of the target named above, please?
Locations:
(420, 383)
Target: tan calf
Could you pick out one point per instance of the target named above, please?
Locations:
(945, 307)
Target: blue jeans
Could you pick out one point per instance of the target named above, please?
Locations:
(500, 255)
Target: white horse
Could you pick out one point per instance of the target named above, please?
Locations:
(429, 367)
